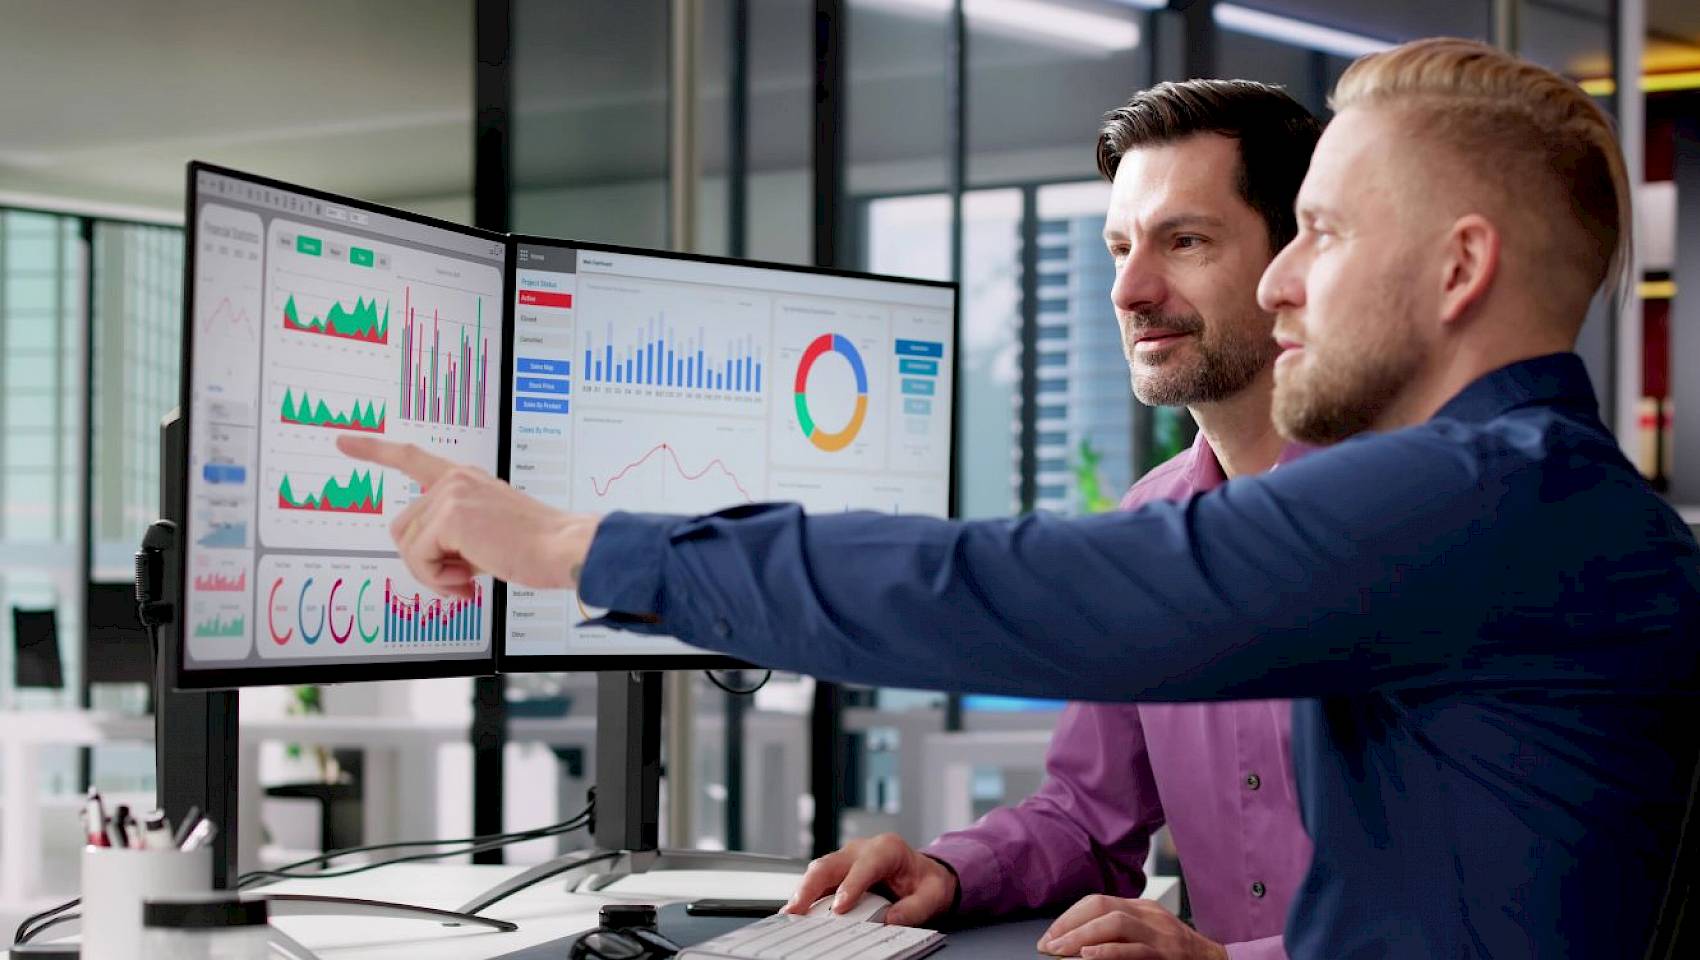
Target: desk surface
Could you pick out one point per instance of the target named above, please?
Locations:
(545, 912)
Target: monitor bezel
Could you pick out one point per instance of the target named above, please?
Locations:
(183, 677)
(566, 662)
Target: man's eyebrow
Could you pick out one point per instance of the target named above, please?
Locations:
(1182, 221)
(1314, 211)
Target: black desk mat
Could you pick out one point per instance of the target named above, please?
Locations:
(1003, 941)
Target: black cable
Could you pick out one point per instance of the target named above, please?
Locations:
(25, 933)
(735, 691)
(495, 841)
(415, 858)
(562, 868)
(520, 835)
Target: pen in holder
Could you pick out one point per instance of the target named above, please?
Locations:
(117, 880)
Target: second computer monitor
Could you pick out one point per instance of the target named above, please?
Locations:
(661, 383)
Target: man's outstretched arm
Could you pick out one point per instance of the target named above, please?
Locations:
(1361, 565)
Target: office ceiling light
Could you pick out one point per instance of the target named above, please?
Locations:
(1650, 83)
(1299, 33)
(1056, 24)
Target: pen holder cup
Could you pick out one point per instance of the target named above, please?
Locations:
(116, 881)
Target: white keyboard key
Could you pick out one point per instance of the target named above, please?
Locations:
(786, 937)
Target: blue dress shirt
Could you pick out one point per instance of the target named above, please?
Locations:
(1490, 619)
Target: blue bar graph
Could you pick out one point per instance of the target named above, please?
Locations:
(652, 354)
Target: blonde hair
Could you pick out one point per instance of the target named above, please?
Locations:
(1528, 133)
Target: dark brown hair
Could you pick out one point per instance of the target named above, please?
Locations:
(1275, 133)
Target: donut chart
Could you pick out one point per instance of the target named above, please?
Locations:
(822, 345)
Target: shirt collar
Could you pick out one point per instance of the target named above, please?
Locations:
(1559, 378)
(1206, 471)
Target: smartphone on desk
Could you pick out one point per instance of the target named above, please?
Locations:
(715, 907)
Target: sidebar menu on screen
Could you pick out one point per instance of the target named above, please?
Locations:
(546, 285)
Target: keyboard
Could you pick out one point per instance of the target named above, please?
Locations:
(788, 937)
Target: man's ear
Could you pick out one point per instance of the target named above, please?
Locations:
(1471, 263)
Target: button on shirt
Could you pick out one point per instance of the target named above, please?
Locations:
(1117, 772)
(1490, 615)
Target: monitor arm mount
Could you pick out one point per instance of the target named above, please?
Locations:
(627, 812)
(196, 734)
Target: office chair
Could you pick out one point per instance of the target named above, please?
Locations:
(342, 809)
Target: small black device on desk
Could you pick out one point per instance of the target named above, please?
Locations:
(627, 932)
(748, 909)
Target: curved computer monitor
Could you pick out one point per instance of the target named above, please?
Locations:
(667, 383)
(308, 316)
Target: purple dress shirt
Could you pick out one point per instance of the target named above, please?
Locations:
(1219, 774)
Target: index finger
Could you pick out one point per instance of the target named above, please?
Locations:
(822, 877)
(424, 467)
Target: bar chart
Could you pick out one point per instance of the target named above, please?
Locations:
(653, 354)
(444, 383)
(215, 582)
(427, 619)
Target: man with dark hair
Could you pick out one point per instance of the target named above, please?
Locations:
(1203, 174)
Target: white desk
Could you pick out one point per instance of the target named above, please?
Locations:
(404, 758)
(22, 736)
(544, 913)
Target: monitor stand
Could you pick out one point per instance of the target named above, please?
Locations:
(627, 810)
(196, 735)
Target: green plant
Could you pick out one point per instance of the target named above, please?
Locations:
(1089, 481)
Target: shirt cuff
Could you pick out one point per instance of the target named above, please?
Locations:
(1268, 948)
(979, 875)
(624, 570)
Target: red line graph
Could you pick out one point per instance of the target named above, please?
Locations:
(678, 467)
(226, 310)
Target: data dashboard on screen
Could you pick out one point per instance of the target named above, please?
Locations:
(668, 384)
(308, 318)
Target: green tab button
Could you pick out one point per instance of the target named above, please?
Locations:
(308, 245)
(360, 256)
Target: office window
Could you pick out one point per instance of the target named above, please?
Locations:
(910, 236)
(138, 316)
(589, 122)
(39, 292)
(1091, 403)
(40, 332)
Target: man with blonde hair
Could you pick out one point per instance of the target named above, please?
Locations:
(1491, 615)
